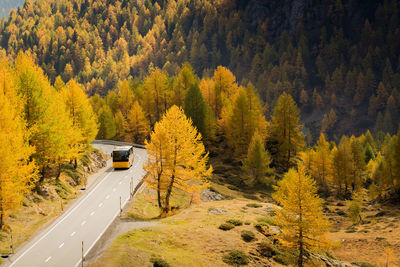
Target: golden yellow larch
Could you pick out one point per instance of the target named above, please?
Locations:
(138, 124)
(177, 158)
(301, 220)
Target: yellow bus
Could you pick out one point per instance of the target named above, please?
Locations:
(122, 157)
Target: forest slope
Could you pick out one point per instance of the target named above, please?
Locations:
(340, 56)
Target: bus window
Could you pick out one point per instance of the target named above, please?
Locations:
(121, 155)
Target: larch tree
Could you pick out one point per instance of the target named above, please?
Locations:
(182, 84)
(107, 128)
(125, 97)
(17, 171)
(357, 163)
(138, 124)
(64, 137)
(342, 166)
(285, 131)
(121, 125)
(84, 120)
(355, 208)
(210, 124)
(177, 159)
(301, 219)
(195, 107)
(245, 118)
(321, 167)
(157, 98)
(48, 125)
(224, 87)
(207, 88)
(395, 158)
(257, 162)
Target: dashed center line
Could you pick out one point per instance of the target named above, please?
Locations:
(73, 233)
(91, 214)
(60, 246)
(108, 196)
(101, 204)
(120, 182)
(47, 259)
(83, 223)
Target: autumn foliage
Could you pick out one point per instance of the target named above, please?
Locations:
(41, 127)
(300, 219)
(176, 158)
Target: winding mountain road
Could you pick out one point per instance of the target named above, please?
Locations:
(85, 221)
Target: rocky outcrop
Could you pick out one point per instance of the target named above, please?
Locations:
(209, 195)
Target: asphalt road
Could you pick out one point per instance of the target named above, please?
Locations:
(85, 221)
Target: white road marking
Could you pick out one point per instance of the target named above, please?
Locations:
(66, 216)
(101, 204)
(101, 234)
(108, 196)
(47, 259)
(120, 182)
(73, 233)
(91, 214)
(60, 246)
(83, 223)
(114, 189)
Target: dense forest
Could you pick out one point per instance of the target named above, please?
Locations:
(298, 100)
(233, 126)
(41, 127)
(338, 59)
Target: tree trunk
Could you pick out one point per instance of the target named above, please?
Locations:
(301, 249)
(167, 197)
(58, 171)
(159, 179)
(42, 173)
(158, 190)
(1, 216)
(75, 163)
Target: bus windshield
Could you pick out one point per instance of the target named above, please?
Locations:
(120, 155)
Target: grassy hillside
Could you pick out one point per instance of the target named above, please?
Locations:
(193, 236)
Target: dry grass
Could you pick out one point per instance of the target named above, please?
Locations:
(36, 213)
(190, 238)
(367, 242)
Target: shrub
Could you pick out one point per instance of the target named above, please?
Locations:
(235, 222)
(267, 220)
(254, 205)
(248, 236)
(226, 226)
(252, 197)
(158, 262)
(266, 249)
(260, 226)
(355, 209)
(247, 223)
(236, 257)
